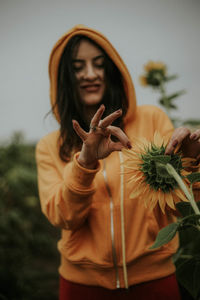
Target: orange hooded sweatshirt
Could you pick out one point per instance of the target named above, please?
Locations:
(97, 247)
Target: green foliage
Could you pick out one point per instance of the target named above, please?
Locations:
(28, 254)
(191, 122)
(167, 101)
(165, 235)
(185, 208)
(189, 274)
(194, 177)
(187, 259)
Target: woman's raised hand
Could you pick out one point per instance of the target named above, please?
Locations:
(97, 143)
(189, 142)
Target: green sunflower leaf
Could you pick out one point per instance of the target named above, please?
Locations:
(194, 177)
(171, 77)
(165, 235)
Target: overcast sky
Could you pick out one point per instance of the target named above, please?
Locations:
(143, 30)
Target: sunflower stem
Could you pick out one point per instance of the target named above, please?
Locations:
(183, 187)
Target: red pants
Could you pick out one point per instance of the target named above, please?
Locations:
(161, 289)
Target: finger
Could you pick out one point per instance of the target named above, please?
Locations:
(97, 117)
(122, 137)
(81, 133)
(195, 135)
(104, 131)
(116, 146)
(110, 119)
(178, 136)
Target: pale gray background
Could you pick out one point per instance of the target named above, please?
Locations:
(166, 30)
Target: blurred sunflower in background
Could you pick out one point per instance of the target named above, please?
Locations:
(155, 74)
(151, 182)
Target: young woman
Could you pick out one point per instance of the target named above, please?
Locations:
(80, 186)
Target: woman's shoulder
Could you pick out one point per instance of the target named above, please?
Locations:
(150, 112)
(49, 141)
(48, 138)
(149, 109)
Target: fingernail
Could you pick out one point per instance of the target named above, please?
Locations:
(193, 136)
(118, 111)
(129, 145)
(175, 143)
(167, 153)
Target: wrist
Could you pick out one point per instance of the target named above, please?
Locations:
(86, 164)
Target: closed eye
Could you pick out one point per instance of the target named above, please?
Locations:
(78, 65)
(78, 68)
(99, 61)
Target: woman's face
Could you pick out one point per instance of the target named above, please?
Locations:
(88, 65)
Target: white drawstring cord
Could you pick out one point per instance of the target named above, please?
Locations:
(122, 220)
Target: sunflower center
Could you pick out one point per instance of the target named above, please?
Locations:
(153, 168)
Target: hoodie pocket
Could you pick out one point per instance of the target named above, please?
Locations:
(91, 243)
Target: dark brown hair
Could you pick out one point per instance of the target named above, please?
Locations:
(69, 105)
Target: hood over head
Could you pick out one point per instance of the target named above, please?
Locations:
(100, 39)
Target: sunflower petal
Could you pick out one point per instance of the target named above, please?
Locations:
(138, 190)
(162, 201)
(129, 153)
(154, 200)
(135, 194)
(145, 194)
(170, 201)
(180, 195)
(135, 179)
(188, 161)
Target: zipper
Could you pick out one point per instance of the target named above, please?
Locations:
(114, 253)
(122, 220)
(113, 246)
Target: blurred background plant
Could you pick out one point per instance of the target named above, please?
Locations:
(28, 254)
(187, 258)
(156, 76)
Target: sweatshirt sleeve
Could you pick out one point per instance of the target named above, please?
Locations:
(65, 198)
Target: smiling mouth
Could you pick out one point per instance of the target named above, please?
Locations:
(91, 87)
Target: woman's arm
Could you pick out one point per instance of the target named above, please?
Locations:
(65, 199)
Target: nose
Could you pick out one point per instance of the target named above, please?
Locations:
(90, 72)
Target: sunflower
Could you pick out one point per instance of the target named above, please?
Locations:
(155, 74)
(150, 179)
(155, 65)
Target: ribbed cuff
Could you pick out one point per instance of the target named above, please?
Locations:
(79, 178)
